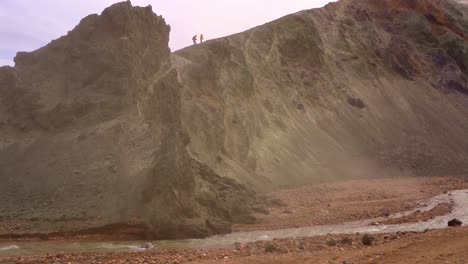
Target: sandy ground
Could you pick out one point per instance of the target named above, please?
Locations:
(321, 204)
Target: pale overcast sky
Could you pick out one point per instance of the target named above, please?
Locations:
(26, 25)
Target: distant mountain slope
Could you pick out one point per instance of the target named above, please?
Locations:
(106, 125)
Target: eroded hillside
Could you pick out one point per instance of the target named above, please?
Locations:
(106, 125)
(356, 88)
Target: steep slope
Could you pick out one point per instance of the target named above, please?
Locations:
(358, 88)
(105, 125)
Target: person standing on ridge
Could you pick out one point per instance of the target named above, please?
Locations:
(201, 38)
(194, 39)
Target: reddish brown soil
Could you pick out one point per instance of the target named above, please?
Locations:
(317, 204)
(401, 248)
(406, 247)
(339, 202)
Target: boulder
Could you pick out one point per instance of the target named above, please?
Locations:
(454, 222)
(368, 240)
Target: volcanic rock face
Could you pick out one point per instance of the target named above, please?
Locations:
(91, 130)
(105, 124)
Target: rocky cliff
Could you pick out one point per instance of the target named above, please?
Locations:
(106, 125)
(91, 130)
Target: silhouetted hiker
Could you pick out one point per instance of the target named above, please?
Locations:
(201, 38)
(194, 39)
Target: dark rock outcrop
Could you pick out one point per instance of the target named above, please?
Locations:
(368, 240)
(454, 222)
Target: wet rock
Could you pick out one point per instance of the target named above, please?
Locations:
(143, 247)
(454, 222)
(368, 240)
(147, 246)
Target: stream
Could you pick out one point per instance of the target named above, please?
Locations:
(459, 198)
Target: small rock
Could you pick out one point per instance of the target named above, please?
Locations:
(368, 240)
(454, 222)
(147, 246)
(301, 245)
(269, 247)
(238, 246)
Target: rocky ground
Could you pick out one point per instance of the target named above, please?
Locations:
(320, 204)
(417, 216)
(405, 247)
(338, 202)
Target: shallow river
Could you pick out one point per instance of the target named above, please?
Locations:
(458, 197)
